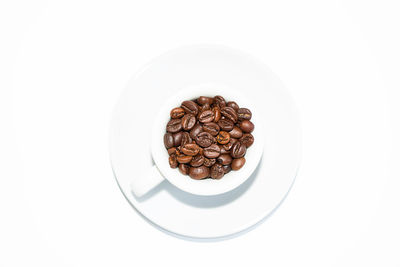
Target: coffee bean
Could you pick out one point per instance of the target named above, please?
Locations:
(173, 163)
(229, 113)
(205, 100)
(217, 171)
(224, 159)
(190, 107)
(206, 116)
(188, 121)
(225, 124)
(168, 140)
(177, 113)
(172, 150)
(229, 145)
(238, 163)
(212, 151)
(223, 150)
(177, 138)
(208, 137)
(227, 168)
(190, 149)
(197, 161)
(196, 130)
(184, 158)
(219, 101)
(236, 132)
(244, 114)
(217, 114)
(209, 162)
(223, 137)
(204, 139)
(233, 105)
(184, 169)
(247, 139)
(203, 108)
(186, 139)
(199, 172)
(212, 128)
(201, 150)
(238, 150)
(174, 126)
(246, 126)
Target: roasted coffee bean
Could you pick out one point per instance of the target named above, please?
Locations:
(212, 151)
(168, 140)
(236, 132)
(184, 169)
(201, 150)
(238, 150)
(211, 128)
(204, 139)
(199, 173)
(182, 158)
(190, 107)
(190, 149)
(233, 105)
(188, 121)
(229, 145)
(217, 114)
(246, 126)
(178, 138)
(177, 113)
(174, 126)
(196, 130)
(225, 124)
(247, 139)
(209, 162)
(197, 161)
(219, 101)
(227, 168)
(173, 163)
(229, 113)
(224, 159)
(203, 108)
(206, 116)
(238, 163)
(172, 150)
(244, 114)
(223, 150)
(186, 139)
(204, 100)
(208, 137)
(223, 137)
(217, 171)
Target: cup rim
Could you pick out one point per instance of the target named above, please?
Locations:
(206, 187)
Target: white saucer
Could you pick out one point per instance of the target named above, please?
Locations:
(190, 215)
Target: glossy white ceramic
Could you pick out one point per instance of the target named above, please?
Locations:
(199, 216)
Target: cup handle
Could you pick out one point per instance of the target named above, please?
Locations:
(142, 186)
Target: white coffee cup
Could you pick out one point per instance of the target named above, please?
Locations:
(161, 170)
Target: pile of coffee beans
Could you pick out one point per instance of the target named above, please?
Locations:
(208, 137)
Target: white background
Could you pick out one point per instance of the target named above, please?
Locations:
(63, 64)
